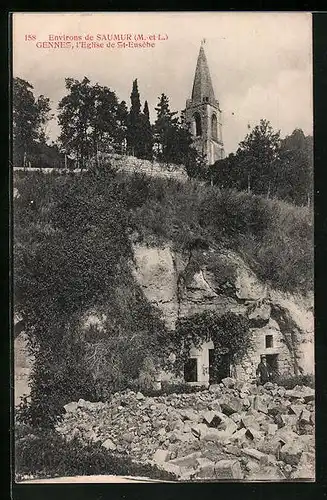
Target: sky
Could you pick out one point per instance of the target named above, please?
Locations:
(260, 63)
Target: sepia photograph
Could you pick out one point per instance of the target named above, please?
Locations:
(162, 247)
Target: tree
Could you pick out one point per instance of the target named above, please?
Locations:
(257, 156)
(164, 129)
(294, 179)
(30, 116)
(91, 120)
(146, 138)
(135, 123)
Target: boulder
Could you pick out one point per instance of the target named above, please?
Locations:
(295, 409)
(208, 416)
(108, 444)
(305, 417)
(272, 429)
(277, 409)
(291, 452)
(305, 468)
(239, 436)
(248, 421)
(253, 434)
(259, 405)
(258, 455)
(268, 472)
(70, 407)
(228, 469)
(188, 461)
(231, 405)
(216, 435)
(205, 472)
(189, 415)
(161, 456)
(228, 382)
(199, 430)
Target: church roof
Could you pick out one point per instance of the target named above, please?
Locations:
(202, 85)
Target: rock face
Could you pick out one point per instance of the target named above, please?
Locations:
(179, 285)
(185, 434)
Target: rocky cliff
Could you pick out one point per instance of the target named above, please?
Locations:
(183, 284)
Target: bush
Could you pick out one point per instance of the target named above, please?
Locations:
(48, 454)
(289, 382)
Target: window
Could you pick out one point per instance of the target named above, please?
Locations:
(198, 126)
(191, 370)
(269, 341)
(214, 127)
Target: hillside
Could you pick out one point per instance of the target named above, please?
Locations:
(107, 248)
(275, 238)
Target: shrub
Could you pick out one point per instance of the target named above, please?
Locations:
(289, 382)
(48, 454)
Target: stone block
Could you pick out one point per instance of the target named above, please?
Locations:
(189, 415)
(208, 416)
(305, 468)
(233, 450)
(295, 409)
(248, 421)
(199, 430)
(189, 461)
(161, 456)
(228, 469)
(205, 472)
(305, 417)
(108, 444)
(258, 455)
(228, 382)
(239, 436)
(259, 405)
(231, 405)
(268, 472)
(272, 429)
(291, 452)
(253, 434)
(216, 435)
(70, 407)
(274, 410)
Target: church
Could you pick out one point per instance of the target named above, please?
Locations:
(203, 113)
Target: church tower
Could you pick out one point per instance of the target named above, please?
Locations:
(203, 113)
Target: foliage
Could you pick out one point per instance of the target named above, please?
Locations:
(63, 270)
(289, 382)
(30, 115)
(71, 258)
(169, 388)
(91, 120)
(267, 165)
(228, 332)
(273, 237)
(172, 139)
(48, 454)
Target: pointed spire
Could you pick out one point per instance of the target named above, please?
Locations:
(202, 85)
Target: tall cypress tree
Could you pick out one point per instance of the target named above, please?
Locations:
(164, 129)
(134, 122)
(147, 135)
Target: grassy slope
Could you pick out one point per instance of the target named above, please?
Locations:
(275, 238)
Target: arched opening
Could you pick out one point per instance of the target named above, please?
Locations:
(214, 127)
(198, 126)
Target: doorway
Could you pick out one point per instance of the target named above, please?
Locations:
(219, 366)
(191, 370)
(272, 362)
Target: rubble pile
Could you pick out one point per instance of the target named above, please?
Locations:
(234, 430)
